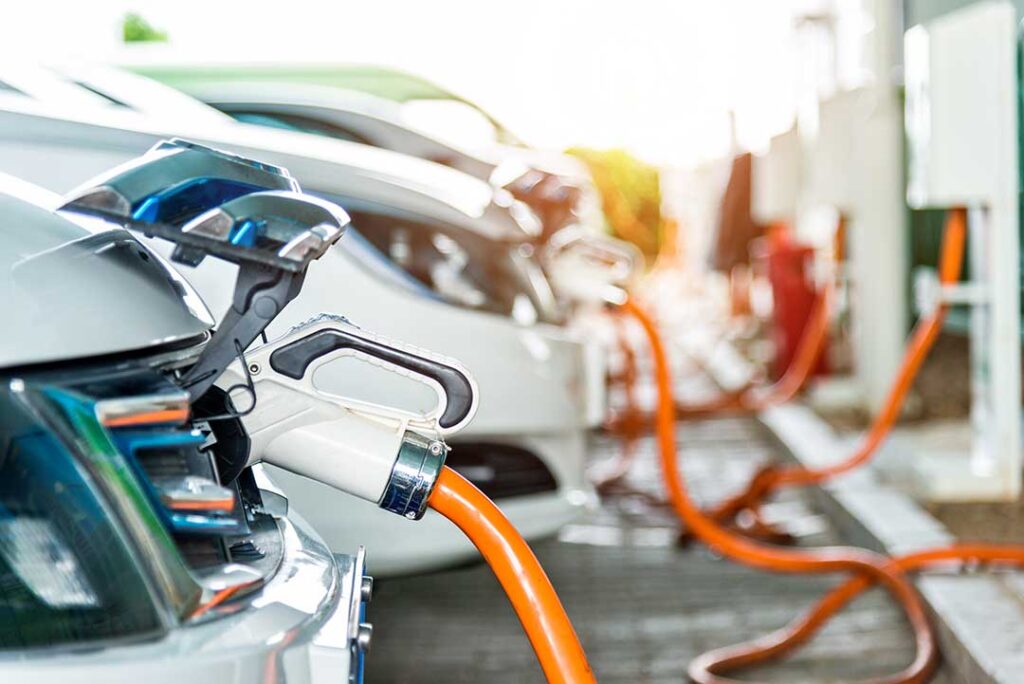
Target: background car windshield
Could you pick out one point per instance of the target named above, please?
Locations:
(462, 268)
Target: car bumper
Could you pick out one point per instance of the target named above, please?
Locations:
(299, 628)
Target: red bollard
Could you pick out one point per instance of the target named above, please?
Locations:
(788, 265)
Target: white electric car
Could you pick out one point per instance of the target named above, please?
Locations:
(431, 259)
(95, 569)
(393, 110)
(556, 186)
(585, 267)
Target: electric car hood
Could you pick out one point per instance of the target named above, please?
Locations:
(65, 287)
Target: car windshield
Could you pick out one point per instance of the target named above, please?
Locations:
(66, 575)
(460, 268)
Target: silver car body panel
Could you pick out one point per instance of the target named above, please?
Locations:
(64, 283)
(319, 164)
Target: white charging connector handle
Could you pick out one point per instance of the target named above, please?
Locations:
(375, 452)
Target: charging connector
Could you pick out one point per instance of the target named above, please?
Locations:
(378, 453)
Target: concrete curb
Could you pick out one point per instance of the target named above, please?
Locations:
(979, 617)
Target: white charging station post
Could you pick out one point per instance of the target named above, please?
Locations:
(849, 163)
(854, 167)
(963, 151)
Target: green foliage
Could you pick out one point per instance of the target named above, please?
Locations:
(630, 193)
(135, 29)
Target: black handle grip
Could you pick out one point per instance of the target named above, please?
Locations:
(293, 359)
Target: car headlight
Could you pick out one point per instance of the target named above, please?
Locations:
(68, 572)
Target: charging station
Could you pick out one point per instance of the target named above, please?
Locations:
(963, 151)
(854, 170)
(845, 162)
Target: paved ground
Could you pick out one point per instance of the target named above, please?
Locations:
(642, 607)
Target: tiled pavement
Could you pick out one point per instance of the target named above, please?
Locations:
(642, 607)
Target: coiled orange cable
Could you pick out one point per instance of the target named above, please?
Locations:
(521, 576)
(631, 421)
(772, 478)
(923, 338)
(771, 558)
(553, 637)
(710, 666)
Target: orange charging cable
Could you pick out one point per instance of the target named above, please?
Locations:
(923, 339)
(794, 379)
(708, 667)
(748, 398)
(870, 568)
(631, 421)
(751, 399)
(521, 576)
(553, 637)
(772, 558)
(555, 641)
(773, 477)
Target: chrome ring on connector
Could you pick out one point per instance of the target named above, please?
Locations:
(413, 476)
